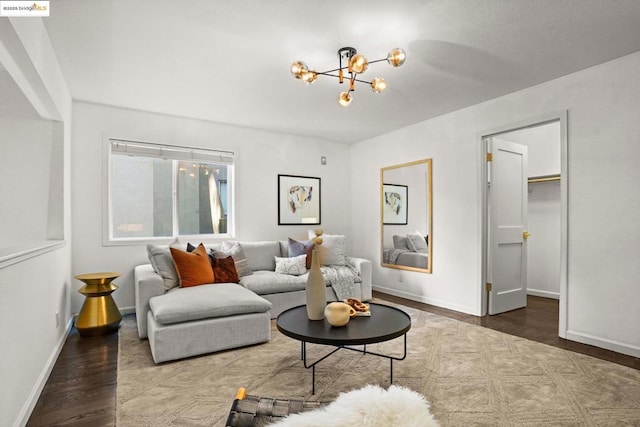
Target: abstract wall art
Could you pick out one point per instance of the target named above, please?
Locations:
(298, 200)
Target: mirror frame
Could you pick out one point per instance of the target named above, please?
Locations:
(429, 207)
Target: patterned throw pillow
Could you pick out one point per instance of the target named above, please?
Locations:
(193, 268)
(301, 248)
(224, 270)
(235, 250)
(295, 266)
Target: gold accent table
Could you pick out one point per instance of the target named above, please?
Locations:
(99, 313)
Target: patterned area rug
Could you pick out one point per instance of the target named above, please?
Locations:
(471, 376)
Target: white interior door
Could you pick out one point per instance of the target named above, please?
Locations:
(507, 206)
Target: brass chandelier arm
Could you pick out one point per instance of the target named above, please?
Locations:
(326, 73)
(346, 68)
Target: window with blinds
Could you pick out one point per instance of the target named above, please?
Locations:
(160, 191)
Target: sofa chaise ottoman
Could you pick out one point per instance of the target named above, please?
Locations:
(204, 319)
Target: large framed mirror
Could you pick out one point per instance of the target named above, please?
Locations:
(406, 216)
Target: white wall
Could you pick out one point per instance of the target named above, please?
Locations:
(31, 292)
(27, 178)
(260, 157)
(544, 147)
(26, 150)
(33, 287)
(603, 129)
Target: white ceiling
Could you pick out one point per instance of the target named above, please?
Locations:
(228, 61)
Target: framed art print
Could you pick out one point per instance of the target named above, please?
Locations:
(298, 200)
(395, 204)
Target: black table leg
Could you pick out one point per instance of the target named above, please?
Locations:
(303, 351)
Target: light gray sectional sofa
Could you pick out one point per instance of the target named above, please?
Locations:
(184, 322)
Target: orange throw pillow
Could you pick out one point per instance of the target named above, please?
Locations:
(193, 268)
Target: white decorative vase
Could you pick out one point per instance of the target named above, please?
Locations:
(316, 296)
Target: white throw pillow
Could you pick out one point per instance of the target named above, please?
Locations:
(333, 250)
(294, 266)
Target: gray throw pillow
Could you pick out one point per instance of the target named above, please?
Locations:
(417, 243)
(400, 242)
(301, 248)
(162, 263)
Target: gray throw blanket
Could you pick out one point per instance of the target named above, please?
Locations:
(342, 279)
(390, 256)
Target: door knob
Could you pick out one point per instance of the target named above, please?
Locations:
(525, 235)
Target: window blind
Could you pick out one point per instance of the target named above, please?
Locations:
(170, 152)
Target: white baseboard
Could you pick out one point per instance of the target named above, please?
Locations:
(543, 294)
(32, 400)
(423, 299)
(608, 344)
(127, 310)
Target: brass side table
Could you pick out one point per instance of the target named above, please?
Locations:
(99, 313)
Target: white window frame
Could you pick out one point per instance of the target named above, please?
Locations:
(173, 152)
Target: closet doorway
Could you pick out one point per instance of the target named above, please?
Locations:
(525, 217)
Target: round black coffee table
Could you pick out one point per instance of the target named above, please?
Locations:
(384, 324)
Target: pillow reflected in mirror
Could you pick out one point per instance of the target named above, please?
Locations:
(400, 242)
(417, 243)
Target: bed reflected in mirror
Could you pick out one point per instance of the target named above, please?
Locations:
(405, 216)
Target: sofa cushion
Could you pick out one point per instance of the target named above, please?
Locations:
(265, 282)
(284, 248)
(206, 301)
(261, 255)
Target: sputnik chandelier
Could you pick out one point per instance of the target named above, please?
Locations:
(356, 64)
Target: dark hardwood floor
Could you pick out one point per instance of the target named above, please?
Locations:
(537, 322)
(81, 390)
